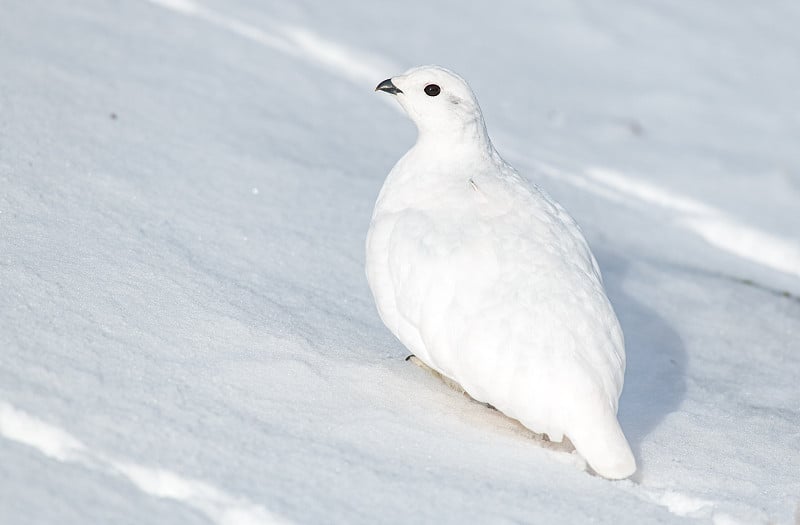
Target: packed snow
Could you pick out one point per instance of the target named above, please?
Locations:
(186, 332)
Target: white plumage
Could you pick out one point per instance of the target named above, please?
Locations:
(490, 282)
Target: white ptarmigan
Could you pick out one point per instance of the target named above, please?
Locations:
(489, 282)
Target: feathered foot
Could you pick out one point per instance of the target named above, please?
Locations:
(446, 380)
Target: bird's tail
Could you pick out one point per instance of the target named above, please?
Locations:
(603, 445)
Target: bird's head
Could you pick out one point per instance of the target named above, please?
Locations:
(440, 103)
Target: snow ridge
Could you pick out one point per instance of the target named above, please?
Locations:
(711, 224)
(355, 66)
(219, 506)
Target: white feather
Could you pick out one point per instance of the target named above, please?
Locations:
(490, 282)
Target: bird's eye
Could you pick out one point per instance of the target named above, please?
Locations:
(432, 90)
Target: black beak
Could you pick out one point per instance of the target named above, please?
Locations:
(388, 87)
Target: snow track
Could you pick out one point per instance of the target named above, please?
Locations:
(55, 443)
(714, 226)
(356, 66)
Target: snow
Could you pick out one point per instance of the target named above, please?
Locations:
(186, 333)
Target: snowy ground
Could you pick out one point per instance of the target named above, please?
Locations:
(186, 334)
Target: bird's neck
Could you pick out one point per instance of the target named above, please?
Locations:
(437, 165)
(459, 144)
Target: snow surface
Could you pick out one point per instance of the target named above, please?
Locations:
(186, 333)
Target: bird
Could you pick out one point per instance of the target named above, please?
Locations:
(490, 283)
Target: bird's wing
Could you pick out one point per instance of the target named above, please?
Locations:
(507, 298)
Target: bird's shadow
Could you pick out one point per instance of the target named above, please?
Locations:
(655, 378)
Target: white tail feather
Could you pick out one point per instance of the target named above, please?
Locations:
(603, 445)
